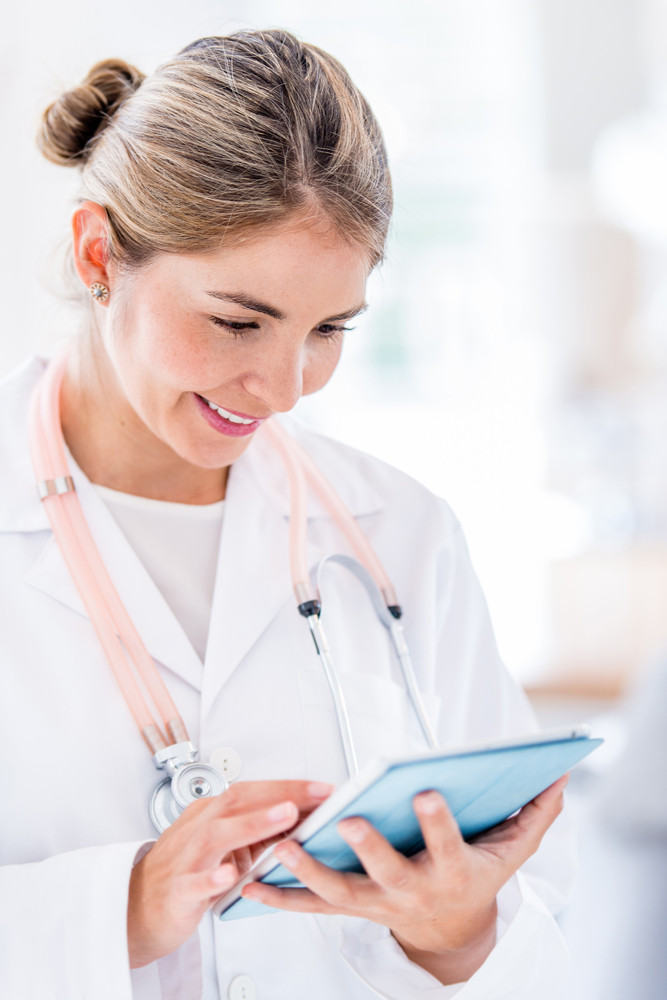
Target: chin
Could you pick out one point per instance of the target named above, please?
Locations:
(213, 456)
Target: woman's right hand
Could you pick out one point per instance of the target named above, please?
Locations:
(202, 855)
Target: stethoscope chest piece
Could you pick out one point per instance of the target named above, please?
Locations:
(162, 806)
(196, 781)
(188, 782)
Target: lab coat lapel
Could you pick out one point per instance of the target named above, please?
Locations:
(22, 511)
(253, 579)
(161, 633)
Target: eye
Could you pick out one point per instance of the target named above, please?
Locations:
(235, 326)
(327, 331)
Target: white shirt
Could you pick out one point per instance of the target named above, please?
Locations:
(178, 544)
(77, 777)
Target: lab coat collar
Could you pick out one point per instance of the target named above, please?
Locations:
(157, 625)
(20, 507)
(261, 463)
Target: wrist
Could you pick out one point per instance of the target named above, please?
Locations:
(138, 940)
(452, 955)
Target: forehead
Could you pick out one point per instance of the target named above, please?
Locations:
(296, 269)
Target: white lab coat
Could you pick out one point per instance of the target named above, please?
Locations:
(76, 776)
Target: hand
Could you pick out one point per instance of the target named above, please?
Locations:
(203, 854)
(440, 904)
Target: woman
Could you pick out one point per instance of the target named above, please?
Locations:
(232, 208)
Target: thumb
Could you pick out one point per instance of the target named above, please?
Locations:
(517, 839)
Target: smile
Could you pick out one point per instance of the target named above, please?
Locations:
(225, 421)
(232, 417)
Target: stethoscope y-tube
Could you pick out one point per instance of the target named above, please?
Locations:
(303, 472)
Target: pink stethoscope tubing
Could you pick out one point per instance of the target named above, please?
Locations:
(120, 640)
(107, 613)
(301, 470)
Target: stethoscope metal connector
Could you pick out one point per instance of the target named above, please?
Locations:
(309, 608)
(188, 781)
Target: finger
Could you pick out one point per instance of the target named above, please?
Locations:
(196, 887)
(216, 837)
(519, 837)
(294, 900)
(249, 796)
(246, 796)
(341, 889)
(381, 862)
(439, 828)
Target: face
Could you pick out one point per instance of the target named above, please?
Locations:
(203, 349)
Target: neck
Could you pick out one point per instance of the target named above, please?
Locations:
(114, 447)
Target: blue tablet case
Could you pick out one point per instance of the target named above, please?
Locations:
(482, 788)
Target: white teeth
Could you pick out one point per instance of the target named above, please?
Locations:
(233, 419)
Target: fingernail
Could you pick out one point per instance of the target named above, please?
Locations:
(353, 830)
(278, 813)
(225, 875)
(428, 803)
(320, 790)
(287, 853)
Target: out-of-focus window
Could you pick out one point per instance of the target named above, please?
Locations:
(512, 354)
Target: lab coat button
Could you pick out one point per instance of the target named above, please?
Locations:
(242, 988)
(228, 762)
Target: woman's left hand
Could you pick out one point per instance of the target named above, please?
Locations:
(440, 904)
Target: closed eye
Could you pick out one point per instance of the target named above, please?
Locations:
(236, 326)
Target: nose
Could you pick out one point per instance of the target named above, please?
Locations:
(277, 377)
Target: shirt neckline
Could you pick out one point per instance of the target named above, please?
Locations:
(198, 512)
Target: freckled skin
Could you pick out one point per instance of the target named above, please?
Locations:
(136, 426)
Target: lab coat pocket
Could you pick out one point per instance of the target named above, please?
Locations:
(382, 719)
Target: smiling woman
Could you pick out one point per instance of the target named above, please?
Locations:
(232, 207)
(165, 354)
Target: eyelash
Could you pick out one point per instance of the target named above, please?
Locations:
(238, 328)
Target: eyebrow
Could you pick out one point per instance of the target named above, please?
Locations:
(262, 307)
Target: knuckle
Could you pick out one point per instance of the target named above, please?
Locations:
(341, 895)
(196, 808)
(459, 883)
(204, 838)
(396, 878)
(231, 798)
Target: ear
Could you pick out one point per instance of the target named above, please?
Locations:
(90, 230)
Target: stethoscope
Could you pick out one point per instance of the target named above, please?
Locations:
(186, 778)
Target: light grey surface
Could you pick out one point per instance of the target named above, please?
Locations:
(615, 926)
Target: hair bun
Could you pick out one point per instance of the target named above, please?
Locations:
(71, 123)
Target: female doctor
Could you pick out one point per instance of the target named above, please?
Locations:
(232, 207)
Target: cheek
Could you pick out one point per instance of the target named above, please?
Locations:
(320, 364)
(159, 350)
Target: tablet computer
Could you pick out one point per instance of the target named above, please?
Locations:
(483, 784)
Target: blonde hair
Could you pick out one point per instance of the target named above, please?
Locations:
(232, 134)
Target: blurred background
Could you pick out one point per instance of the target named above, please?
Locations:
(514, 358)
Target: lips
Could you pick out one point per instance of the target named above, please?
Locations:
(227, 422)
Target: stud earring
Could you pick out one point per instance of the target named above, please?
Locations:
(99, 292)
